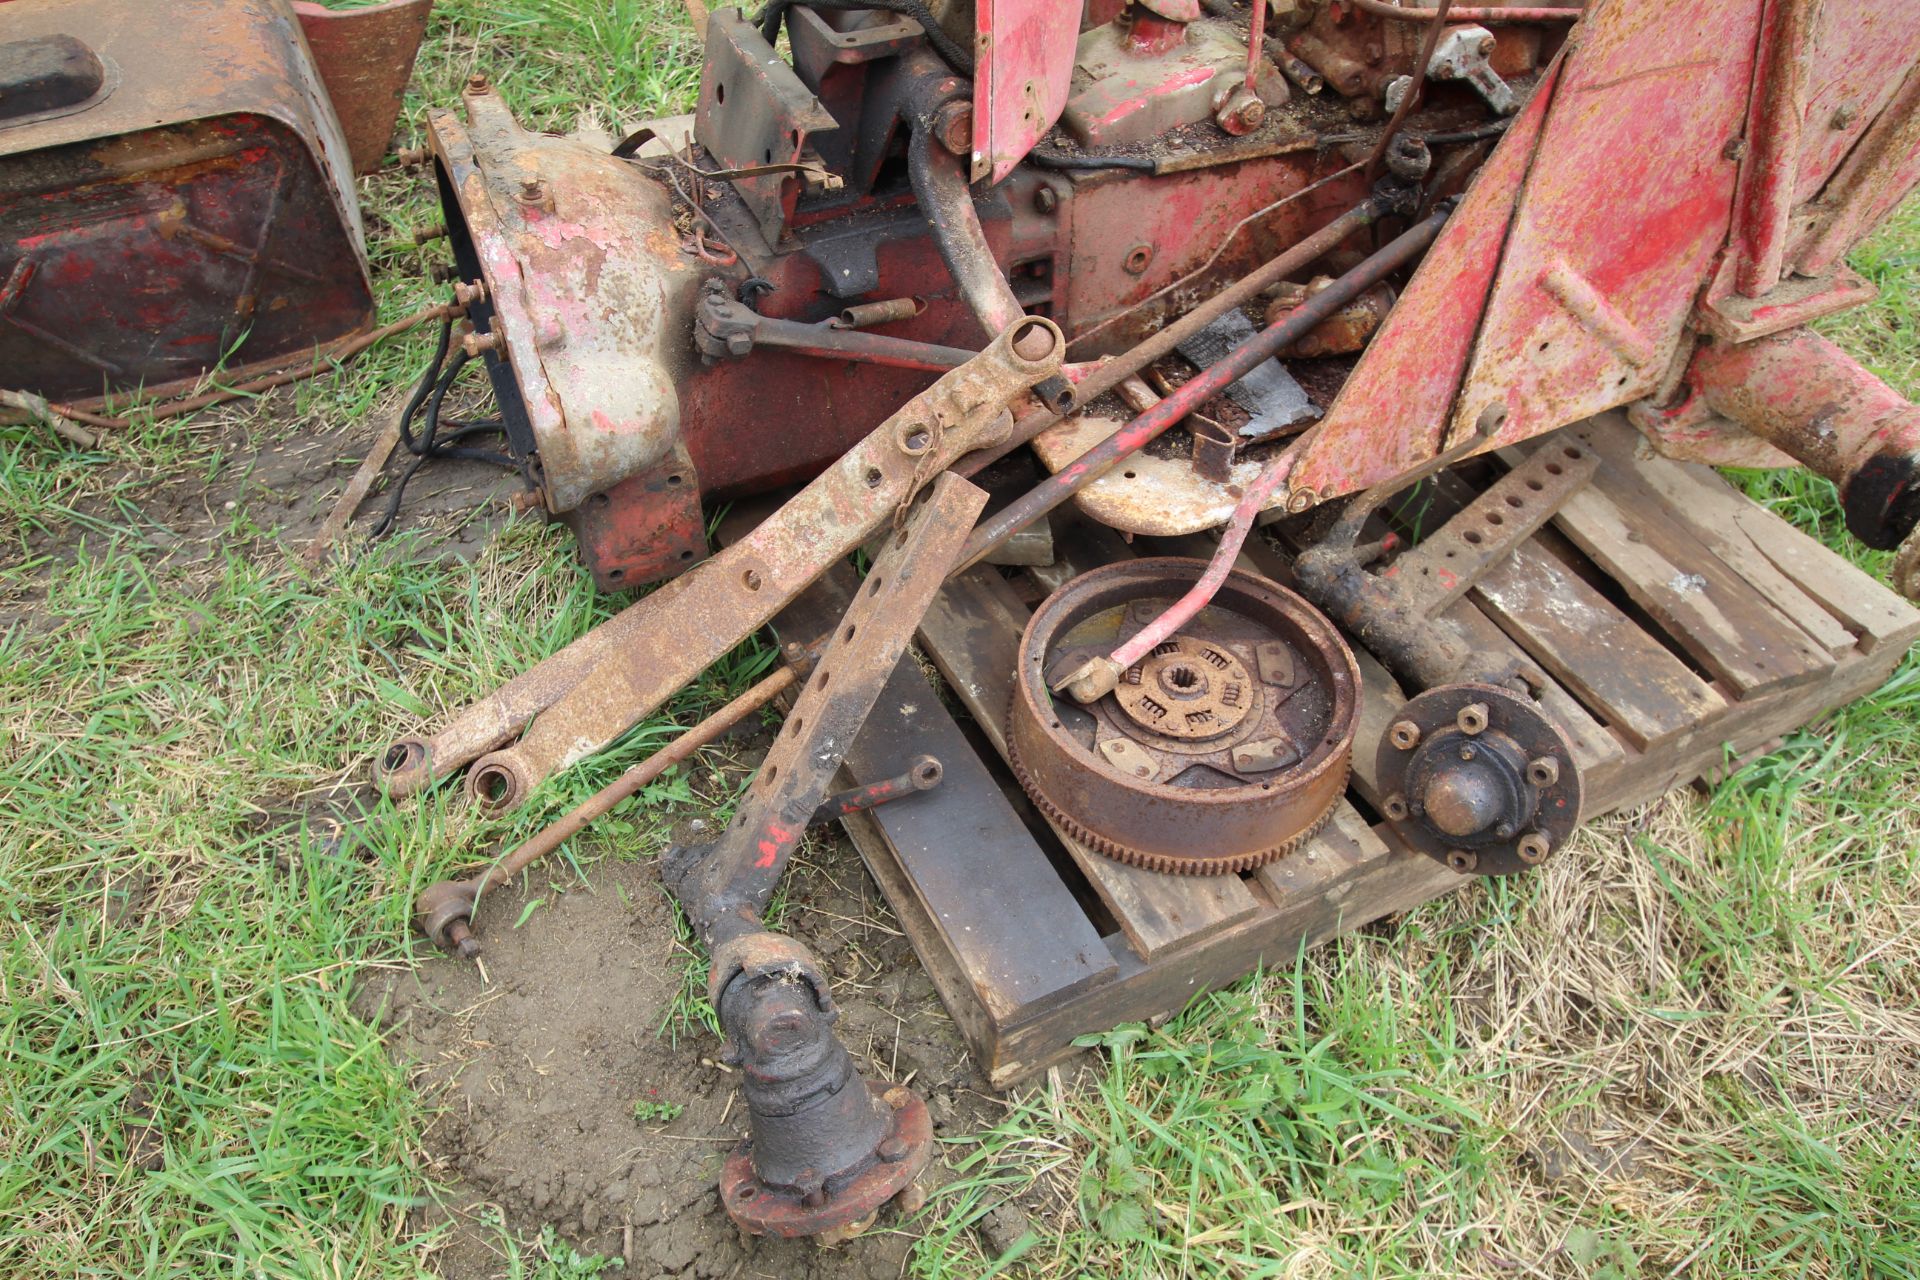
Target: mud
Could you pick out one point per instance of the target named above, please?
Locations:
(563, 1098)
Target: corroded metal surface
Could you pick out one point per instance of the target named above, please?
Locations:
(629, 665)
(196, 210)
(1023, 67)
(736, 874)
(585, 280)
(1479, 778)
(1809, 399)
(365, 56)
(1220, 750)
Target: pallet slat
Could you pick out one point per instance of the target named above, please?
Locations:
(1717, 616)
(1592, 648)
(1710, 514)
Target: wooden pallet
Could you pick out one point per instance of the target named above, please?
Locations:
(1681, 626)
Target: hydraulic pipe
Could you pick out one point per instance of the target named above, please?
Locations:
(1117, 370)
(1243, 359)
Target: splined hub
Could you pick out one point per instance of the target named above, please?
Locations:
(1187, 690)
(1222, 749)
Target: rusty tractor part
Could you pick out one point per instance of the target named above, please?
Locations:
(1479, 778)
(1397, 613)
(923, 775)
(825, 1151)
(1813, 402)
(554, 230)
(610, 679)
(1113, 374)
(1148, 426)
(1222, 749)
(175, 197)
(449, 903)
(726, 327)
(365, 57)
(444, 911)
(1747, 145)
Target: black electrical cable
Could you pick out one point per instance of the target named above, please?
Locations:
(958, 58)
(1048, 158)
(432, 389)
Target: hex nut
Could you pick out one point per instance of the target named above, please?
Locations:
(1462, 860)
(1543, 772)
(1404, 734)
(1533, 848)
(1472, 718)
(1396, 808)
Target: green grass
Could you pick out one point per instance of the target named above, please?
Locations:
(1724, 987)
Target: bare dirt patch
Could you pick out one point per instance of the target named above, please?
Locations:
(556, 1080)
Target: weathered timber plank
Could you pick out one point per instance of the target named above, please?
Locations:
(1389, 881)
(1026, 942)
(977, 1026)
(1863, 603)
(1710, 512)
(1713, 613)
(972, 633)
(1642, 691)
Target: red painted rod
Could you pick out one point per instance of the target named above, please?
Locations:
(1105, 376)
(1243, 359)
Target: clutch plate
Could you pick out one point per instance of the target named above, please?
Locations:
(1224, 748)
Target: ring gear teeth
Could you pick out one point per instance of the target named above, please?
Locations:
(1165, 863)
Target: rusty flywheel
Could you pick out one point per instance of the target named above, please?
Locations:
(1224, 748)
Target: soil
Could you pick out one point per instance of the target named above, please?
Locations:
(285, 485)
(539, 1056)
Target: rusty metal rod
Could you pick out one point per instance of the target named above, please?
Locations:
(324, 359)
(1464, 13)
(1117, 370)
(681, 749)
(1243, 359)
(835, 342)
(923, 775)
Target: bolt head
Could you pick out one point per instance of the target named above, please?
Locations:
(1045, 198)
(739, 344)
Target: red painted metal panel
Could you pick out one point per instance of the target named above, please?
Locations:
(1388, 417)
(1023, 56)
(1861, 51)
(1621, 218)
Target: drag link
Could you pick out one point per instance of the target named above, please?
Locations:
(444, 911)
